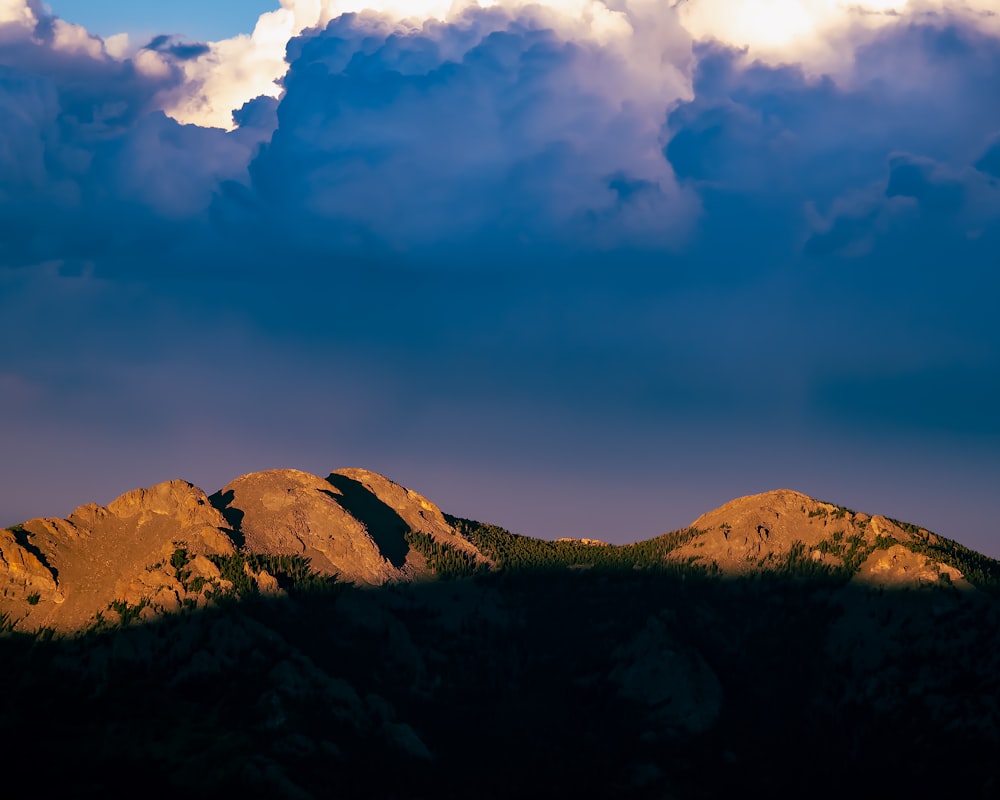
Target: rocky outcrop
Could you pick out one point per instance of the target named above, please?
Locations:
(898, 567)
(745, 532)
(145, 552)
(769, 531)
(23, 573)
(288, 512)
(122, 553)
(354, 524)
(370, 496)
(591, 542)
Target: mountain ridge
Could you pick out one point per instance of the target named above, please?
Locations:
(359, 526)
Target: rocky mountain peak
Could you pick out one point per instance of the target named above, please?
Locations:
(62, 573)
(367, 492)
(773, 529)
(289, 512)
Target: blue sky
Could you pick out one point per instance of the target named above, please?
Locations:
(574, 269)
(194, 19)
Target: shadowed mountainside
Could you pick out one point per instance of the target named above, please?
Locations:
(779, 645)
(592, 683)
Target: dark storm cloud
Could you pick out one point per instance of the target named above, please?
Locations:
(177, 47)
(867, 205)
(989, 162)
(90, 169)
(774, 152)
(92, 173)
(490, 136)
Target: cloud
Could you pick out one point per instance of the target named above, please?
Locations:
(513, 135)
(989, 161)
(235, 70)
(587, 239)
(90, 168)
(820, 34)
(177, 47)
(488, 129)
(832, 164)
(922, 179)
(536, 205)
(20, 13)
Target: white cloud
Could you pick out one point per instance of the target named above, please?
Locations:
(76, 39)
(237, 70)
(820, 34)
(18, 12)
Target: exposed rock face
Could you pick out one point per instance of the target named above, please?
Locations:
(898, 567)
(66, 573)
(593, 542)
(413, 510)
(762, 531)
(22, 569)
(288, 512)
(353, 524)
(740, 534)
(60, 573)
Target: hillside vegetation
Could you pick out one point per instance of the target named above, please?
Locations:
(511, 551)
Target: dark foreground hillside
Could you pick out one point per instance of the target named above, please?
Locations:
(565, 681)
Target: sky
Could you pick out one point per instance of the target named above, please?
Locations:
(194, 19)
(577, 268)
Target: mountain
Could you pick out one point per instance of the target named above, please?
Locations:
(60, 573)
(360, 527)
(298, 636)
(779, 528)
(150, 551)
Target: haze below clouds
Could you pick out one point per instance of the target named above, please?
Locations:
(576, 269)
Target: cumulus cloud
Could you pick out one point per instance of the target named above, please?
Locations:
(489, 128)
(22, 13)
(89, 164)
(820, 34)
(782, 157)
(236, 70)
(464, 135)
